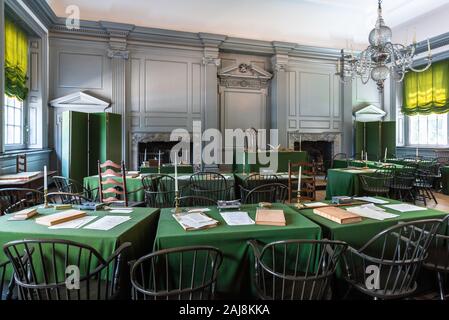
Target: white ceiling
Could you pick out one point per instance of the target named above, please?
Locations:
(327, 23)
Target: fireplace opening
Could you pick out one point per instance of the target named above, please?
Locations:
(320, 152)
(151, 149)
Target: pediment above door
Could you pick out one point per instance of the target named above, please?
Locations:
(81, 101)
(244, 76)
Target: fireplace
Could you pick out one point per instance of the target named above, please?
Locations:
(153, 143)
(152, 149)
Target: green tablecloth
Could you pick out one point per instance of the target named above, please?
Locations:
(343, 164)
(283, 159)
(132, 184)
(184, 169)
(140, 231)
(345, 182)
(358, 234)
(235, 274)
(445, 179)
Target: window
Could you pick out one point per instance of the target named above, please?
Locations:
(14, 122)
(428, 130)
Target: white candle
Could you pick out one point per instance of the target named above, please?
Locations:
(159, 160)
(45, 178)
(386, 154)
(363, 155)
(299, 179)
(145, 157)
(176, 174)
(417, 152)
(244, 161)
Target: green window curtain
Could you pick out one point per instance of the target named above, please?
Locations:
(16, 61)
(427, 92)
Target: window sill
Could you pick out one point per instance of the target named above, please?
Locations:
(13, 153)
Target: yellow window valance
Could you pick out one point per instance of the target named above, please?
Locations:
(16, 61)
(427, 92)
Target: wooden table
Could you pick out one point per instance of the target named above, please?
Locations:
(36, 182)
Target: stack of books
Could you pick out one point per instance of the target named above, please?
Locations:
(58, 218)
(24, 215)
(338, 215)
(275, 218)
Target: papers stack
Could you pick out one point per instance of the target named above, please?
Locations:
(372, 200)
(24, 215)
(405, 208)
(338, 215)
(237, 218)
(316, 205)
(271, 218)
(372, 212)
(195, 221)
(124, 210)
(107, 223)
(58, 218)
(74, 224)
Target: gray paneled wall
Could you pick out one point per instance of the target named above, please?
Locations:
(166, 90)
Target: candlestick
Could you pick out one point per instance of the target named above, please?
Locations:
(366, 160)
(46, 205)
(159, 163)
(386, 155)
(299, 204)
(244, 163)
(45, 178)
(177, 209)
(176, 175)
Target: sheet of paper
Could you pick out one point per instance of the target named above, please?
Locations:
(371, 213)
(107, 223)
(372, 200)
(197, 217)
(124, 211)
(74, 224)
(237, 218)
(199, 210)
(405, 208)
(316, 205)
(184, 178)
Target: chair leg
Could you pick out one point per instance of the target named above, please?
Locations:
(441, 286)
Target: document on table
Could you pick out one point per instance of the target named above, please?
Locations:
(316, 205)
(118, 211)
(405, 208)
(237, 218)
(107, 223)
(199, 210)
(372, 200)
(195, 220)
(74, 224)
(372, 212)
(183, 177)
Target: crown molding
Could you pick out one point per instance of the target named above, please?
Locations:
(101, 29)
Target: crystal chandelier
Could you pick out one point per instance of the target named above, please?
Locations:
(381, 59)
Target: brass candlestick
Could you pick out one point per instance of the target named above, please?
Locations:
(46, 205)
(299, 204)
(159, 169)
(177, 210)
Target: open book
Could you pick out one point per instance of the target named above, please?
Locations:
(195, 221)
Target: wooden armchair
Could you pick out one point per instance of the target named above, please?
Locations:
(308, 181)
(109, 174)
(21, 163)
